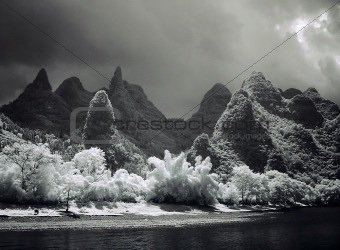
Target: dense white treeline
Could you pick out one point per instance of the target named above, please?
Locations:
(30, 173)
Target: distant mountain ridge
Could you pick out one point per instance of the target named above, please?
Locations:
(38, 107)
(259, 125)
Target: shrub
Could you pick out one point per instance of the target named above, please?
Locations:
(329, 192)
(285, 190)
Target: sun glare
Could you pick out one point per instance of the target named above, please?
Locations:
(337, 59)
(297, 26)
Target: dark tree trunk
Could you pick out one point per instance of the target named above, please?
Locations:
(68, 198)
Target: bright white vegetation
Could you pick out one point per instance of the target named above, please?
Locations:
(31, 173)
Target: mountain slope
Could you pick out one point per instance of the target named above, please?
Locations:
(266, 131)
(38, 107)
(73, 93)
(137, 113)
(212, 106)
(290, 93)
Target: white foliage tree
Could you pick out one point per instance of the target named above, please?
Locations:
(70, 181)
(90, 162)
(243, 179)
(174, 180)
(34, 166)
(228, 193)
(252, 186)
(10, 190)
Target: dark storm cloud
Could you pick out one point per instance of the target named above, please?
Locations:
(176, 49)
(23, 43)
(13, 82)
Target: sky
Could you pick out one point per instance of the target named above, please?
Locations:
(176, 50)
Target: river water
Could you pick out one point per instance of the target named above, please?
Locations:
(307, 228)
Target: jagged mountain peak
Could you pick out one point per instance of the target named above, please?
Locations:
(312, 90)
(241, 92)
(262, 91)
(239, 102)
(118, 73)
(255, 77)
(327, 108)
(74, 93)
(291, 92)
(117, 79)
(303, 111)
(212, 106)
(218, 90)
(218, 86)
(70, 84)
(41, 81)
(218, 94)
(235, 129)
(38, 107)
(256, 80)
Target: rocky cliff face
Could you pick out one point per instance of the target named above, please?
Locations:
(264, 130)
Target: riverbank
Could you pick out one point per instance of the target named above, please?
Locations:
(119, 208)
(126, 221)
(120, 216)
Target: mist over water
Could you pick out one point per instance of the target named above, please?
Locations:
(309, 228)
